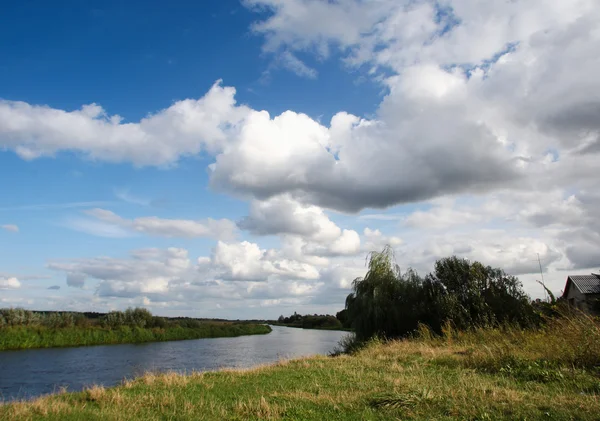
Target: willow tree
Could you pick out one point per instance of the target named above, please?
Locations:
(385, 302)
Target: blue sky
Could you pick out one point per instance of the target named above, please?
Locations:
(194, 201)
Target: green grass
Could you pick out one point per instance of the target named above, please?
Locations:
(497, 374)
(43, 337)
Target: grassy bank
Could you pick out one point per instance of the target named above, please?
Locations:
(22, 337)
(499, 374)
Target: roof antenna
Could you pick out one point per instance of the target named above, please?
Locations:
(542, 274)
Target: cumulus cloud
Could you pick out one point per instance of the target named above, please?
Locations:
(233, 271)
(284, 215)
(9, 283)
(247, 262)
(185, 128)
(113, 225)
(149, 270)
(10, 227)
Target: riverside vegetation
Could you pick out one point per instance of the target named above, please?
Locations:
(23, 329)
(462, 343)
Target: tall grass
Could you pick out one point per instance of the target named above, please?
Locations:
(569, 341)
(25, 337)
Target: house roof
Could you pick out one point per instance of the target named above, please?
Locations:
(587, 284)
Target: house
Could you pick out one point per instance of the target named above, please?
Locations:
(583, 292)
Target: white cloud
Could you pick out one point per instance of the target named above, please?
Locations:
(284, 215)
(9, 283)
(347, 244)
(441, 217)
(232, 272)
(297, 66)
(375, 240)
(10, 227)
(185, 128)
(247, 262)
(112, 225)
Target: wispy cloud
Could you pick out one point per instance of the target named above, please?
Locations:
(125, 196)
(98, 228)
(49, 206)
(383, 216)
(152, 225)
(10, 227)
(292, 63)
(24, 277)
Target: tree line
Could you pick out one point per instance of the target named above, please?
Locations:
(310, 321)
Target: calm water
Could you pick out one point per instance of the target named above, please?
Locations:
(25, 374)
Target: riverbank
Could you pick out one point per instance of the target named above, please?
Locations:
(483, 375)
(14, 338)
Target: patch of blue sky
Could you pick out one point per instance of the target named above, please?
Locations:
(484, 65)
(445, 18)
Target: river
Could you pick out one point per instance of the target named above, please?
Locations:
(29, 373)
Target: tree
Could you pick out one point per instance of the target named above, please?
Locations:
(342, 316)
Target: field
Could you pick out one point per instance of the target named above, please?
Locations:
(486, 374)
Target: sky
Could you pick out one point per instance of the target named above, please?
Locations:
(240, 159)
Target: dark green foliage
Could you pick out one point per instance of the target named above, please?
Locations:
(472, 294)
(342, 316)
(389, 303)
(315, 321)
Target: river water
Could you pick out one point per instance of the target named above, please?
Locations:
(29, 373)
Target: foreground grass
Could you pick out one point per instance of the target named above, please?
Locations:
(42, 337)
(484, 375)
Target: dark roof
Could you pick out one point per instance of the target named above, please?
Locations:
(587, 284)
